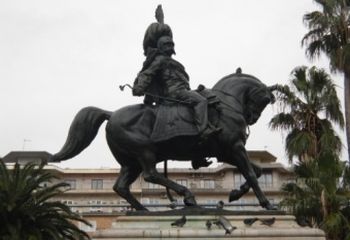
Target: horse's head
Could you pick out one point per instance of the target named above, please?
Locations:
(256, 100)
(245, 94)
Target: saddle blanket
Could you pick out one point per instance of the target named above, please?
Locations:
(173, 121)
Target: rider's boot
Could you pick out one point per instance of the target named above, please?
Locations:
(200, 162)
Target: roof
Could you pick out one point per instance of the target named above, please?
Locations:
(14, 156)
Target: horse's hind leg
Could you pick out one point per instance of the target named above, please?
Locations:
(150, 173)
(126, 177)
(236, 194)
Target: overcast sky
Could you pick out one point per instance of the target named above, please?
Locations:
(57, 57)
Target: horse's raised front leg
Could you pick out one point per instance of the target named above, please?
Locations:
(150, 174)
(245, 167)
(236, 194)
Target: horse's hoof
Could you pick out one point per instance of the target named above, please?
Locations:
(190, 201)
(269, 206)
(234, 195)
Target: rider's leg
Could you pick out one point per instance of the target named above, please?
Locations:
(200, 106)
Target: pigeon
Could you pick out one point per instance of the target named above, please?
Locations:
(268, 221)
(173, 205)
(179, 222)
(220, 205)
(250, 221)
(208, 224)
(225, 223)
(239, 70)
(303, 222)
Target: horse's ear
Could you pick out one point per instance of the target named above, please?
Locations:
(273, 87)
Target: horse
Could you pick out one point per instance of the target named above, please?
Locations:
(242, 98)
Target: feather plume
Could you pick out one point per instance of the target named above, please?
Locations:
(159, 14)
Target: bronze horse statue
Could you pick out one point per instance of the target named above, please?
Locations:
(242, 98)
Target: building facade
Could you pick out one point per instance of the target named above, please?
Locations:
(90, 191)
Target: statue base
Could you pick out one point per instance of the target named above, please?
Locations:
(153, 226)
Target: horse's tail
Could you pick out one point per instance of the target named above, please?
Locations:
(81, 132)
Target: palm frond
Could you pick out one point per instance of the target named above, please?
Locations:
(26, 208)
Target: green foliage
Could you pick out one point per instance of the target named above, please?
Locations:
(329, 32)
(26, 211)
(311, 94)
(320, 195)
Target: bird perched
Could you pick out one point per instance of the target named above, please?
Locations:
(225, 223)
(208, 224)
(250, 221)
(179, 222)
(268, 221)
(172, 204)
(303, 222)
(220, 205)
(239, 70)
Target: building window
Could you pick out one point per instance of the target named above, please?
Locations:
(208, 183)
(67, 202)
(96, 205)
(182, 182)
(96, 184)
(265, 180)
(154, 201)
(72, 183)
(211, 202)
(238, 180)
(153, 186)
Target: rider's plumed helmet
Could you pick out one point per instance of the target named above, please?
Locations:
(155, 31)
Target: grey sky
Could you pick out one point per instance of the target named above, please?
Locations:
(57, 57)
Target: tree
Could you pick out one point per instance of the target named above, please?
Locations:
(318, 199)
(312, 94)
(311, 107)
(26, 211)
(330, 34)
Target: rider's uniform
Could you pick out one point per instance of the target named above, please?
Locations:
(174, 82)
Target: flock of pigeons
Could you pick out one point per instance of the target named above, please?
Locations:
(223, 222)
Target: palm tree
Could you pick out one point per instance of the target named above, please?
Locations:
(26, 211)
(317, 198)
(330, 34)
(311, 107)
(312, 95)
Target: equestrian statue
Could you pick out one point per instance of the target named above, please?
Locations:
(175, 122)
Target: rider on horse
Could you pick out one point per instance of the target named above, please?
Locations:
(163, 76)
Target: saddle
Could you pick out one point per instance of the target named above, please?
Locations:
(176, 119)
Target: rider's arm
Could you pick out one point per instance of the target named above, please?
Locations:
(144, 78)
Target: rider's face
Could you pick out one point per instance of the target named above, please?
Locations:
(168, 48)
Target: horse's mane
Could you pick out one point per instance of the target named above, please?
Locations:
(236, 81)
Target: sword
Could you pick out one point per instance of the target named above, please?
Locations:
(122, 87)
